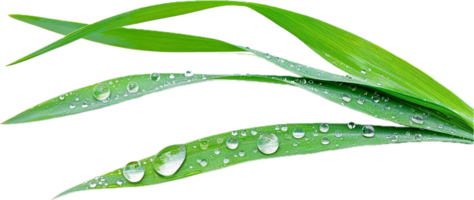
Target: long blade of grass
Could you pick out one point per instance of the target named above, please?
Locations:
(231, 148)
(139, 39)
(337, 46)
(359, 98)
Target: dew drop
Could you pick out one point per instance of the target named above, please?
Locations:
(325, 140)
(351, 125)
(284, 128)
(61, 97)
(226, 160)
(101, 91)
(155, 77)
(368, 131)
(219, 140)
(232, 143)
(92, 184)
(85, 104)
(418, 136)
(346, 97)
(171, 76)
(132, 87)
(72, 106)
(134, 171)
(268, 143)
(254, 132)
(376, 98)
(241, 153)
(324, 127)
(188, 73)
(119, 182)
(169, 160)
(361, 101)
(338, 133)
(217, 151)
(203, 163)
(204, 144)
(418, 119)
(363, 72)
(234, 133)
(352, 87)
(298, 133)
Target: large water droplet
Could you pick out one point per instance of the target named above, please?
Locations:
(418, 119)
(155, 77)
(132, 87)
(188, 73)
(101, 91)
(169, 160)
(268, 143)
(232, 143)
(298, 133)
(324, 127)
(346, 97)
(368, 131)
(351, 125)
(325, 140)
(134, 171)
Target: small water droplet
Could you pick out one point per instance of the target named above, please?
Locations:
(418, 119)
(119, 182)
(368, 131)
(325, 140)
(232, 143)
(171, 76)
(155, 77)
(188, 73)
(346, 97)
(363, 72)
(376, 98)
(169, 160)
(351, 125)
(101, 91)
(226, 160)
(72, 106)
(219, 140)
(132, 87)
(338, 133)
(324, 127)
(352, 87)
(203, 162)
(254, 132)
(217, 151)
(284, 128)
(85, 104)
(61, 97)
(418, 136)
(204, 144)
(387, 106)
(268, 143)
(361, 101)
(92, 184)
(243, 133)
(298, 133)
(234, 133)
(134, 171)
(241, 153)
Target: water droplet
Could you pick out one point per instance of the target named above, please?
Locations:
(85, 104)
(119, 182)
(346, 97)
(361, 101)
(418, 136)
(384, 98)
(315, 133)
(92, 184)
(268, 143)
(226, 160)
(61, 97)
(418, 119)
(219, 140)
(324, 127)
(387, 107)
(72, 106)
(363, 72)
(352, 87)
(232, 143)
(132, 87)
(134, 171)
(254, 132)
(234, 133)
(203, 162)
(204, 144)
(169, 160)
(325, 140)
(284, 128)
(351, 125)
(376, 98)
(298, 133)
(155, 77)
(338, 133)
(368, 131)
(101, 91)
(243, 133)
(217, 151)
(241, 153)
(188, 73)
(171, 76)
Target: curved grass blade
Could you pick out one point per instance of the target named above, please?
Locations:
(349, 52)
(359, 98)
(227, 149)
(162, 41)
